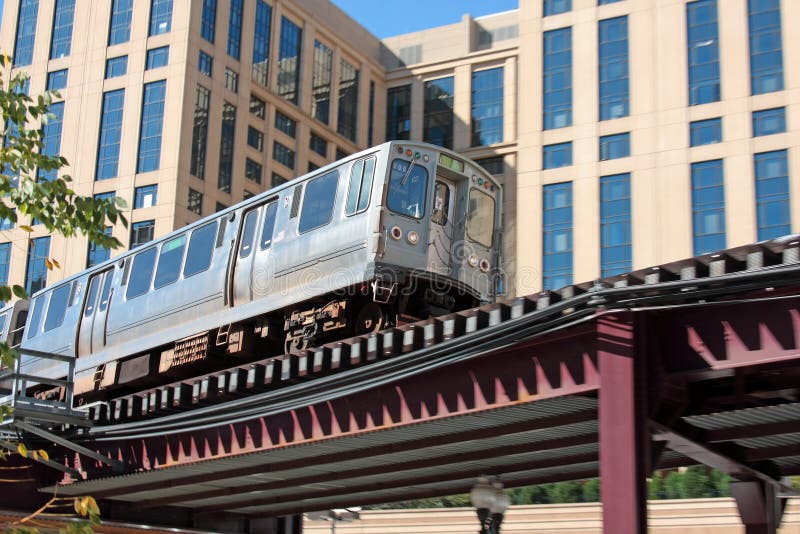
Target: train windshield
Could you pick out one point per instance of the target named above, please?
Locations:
(480, 218)
(407, 189)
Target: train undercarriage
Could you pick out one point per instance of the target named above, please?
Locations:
(353, 311)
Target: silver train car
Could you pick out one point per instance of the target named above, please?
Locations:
(396, 233)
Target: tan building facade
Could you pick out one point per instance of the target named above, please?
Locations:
(627, 133)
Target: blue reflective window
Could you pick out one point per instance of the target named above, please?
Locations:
(261, 35)
(255, 138)
(604, 2)
(51, 139)
(615, 146)
(705, 132)
(160, 17)
(613, 66)
(6, 223)
(152, 126)
(141, 273)
(772, 194)
(557, 155)
(289, 60)
(116, 66)
(157, 57)
(119, 30)
(26, 32)
(169, 261)
(36, 270)
(318, 144)
(235, 28)
(110, 134)
(142, 232)
(205, 64)
(61, 38)
(5, 262)
(227, 134)
(321, 82)
(347, 118)
(57, 80)
(708, 206)
(201, 249)
(283, 154)
(766, 53)
(285, 124)
(615, 224)
(438, 118)
(554, 7)
(557, 238)
(105, 196)
(208, 20)
(145, 196)
(557, 78)
(398, 114)
(487, 107)
(703, 47)
(96, 253)
(769, 121)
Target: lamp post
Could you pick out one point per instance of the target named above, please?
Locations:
(491, 503)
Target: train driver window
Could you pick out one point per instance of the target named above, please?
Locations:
(169, 261)
(269, 225)
(201, 249)
(407, 189)
(57, 308)
(318, 201)
(361, 176)
(141, 273)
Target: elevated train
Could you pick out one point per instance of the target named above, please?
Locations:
(398, 232)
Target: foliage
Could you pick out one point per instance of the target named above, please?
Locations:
(691, 483)
(54, 204)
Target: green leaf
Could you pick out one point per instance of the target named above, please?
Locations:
(19, 292)
(22, 450)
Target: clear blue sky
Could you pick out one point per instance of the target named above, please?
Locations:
(385, 19)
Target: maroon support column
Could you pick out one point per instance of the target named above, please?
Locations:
(759, 507)
(623, 430)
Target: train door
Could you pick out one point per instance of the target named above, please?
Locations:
(92, 330)
(441, 236)
(253, 272)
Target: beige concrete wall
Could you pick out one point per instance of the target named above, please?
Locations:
(695, 516)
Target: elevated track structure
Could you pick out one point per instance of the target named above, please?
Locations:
(695, 361)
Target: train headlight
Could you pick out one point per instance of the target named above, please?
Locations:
(473, 260)
(412, 237)
(396, 233)
(485, 265)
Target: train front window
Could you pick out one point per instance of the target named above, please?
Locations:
(480, 217)
(407, 189)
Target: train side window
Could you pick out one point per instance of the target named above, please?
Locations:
(361, 176)
(141, 273)
(201, 249)
(318, 202)
(36, 317)
(3, 318)
(105, 295)
(91, 295)
(57, 308)
(269, 225)
(249, 231)
(169, 261)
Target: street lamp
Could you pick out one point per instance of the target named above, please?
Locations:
(491, 502)
(334, 516)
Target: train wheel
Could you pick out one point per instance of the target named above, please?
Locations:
(370, 318)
